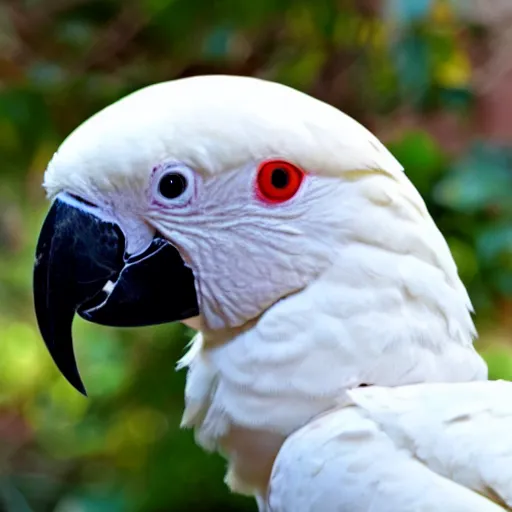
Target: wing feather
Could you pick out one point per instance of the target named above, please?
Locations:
(420, 448)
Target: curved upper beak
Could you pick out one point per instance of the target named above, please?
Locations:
(81, 267)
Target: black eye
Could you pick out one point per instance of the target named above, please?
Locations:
(279, 177)
(172, 185)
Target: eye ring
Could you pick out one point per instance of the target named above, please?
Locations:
(172, 185)
(278, 181)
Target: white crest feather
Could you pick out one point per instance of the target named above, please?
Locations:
(213, 124)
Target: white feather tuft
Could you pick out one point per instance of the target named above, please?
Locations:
(214, 124)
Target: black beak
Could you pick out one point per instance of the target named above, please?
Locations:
(81, 266)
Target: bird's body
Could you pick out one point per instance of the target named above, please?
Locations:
(335, 367)
(248, 391)
(418, 448)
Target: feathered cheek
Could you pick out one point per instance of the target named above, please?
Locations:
(235, 287)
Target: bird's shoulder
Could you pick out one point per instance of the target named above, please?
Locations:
(418, 447)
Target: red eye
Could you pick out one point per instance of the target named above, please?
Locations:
(278, 181)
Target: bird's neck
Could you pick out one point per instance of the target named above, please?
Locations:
(245, 395)
(390, 310)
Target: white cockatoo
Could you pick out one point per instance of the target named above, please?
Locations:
(335, 367)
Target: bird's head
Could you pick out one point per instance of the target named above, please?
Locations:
(219, 196)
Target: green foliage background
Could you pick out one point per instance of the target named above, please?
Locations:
(60, 61)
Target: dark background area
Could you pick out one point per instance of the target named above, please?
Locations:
(432, 78)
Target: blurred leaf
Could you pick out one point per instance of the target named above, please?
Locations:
(92, 503)
(454, 72)
(479, 180)
(412, 60)
(503, 282)
(12, 498)
(76, 33)
(455, 98)
(407, 11)
(46, 75)
(496, 242)
(499, 361)
(421, 157)
(465, 258)
(217, 43)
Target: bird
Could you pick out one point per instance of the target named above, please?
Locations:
(334, 364)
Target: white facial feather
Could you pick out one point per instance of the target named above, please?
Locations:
(245, 254)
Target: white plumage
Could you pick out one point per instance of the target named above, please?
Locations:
(214, 124)
(350, 283)
(418, 448)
